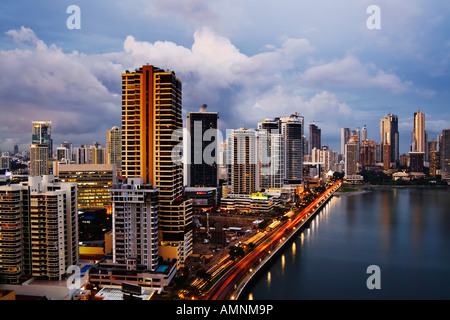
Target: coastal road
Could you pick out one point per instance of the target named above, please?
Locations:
(222, 289)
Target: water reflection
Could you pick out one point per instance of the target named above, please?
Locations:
(405, 231)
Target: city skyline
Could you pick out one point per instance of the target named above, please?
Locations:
(319, 60)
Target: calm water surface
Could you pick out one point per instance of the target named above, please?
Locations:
(404, 231)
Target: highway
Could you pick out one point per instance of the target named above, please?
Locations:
(224, 287)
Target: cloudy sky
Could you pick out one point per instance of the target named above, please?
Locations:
(246, 59)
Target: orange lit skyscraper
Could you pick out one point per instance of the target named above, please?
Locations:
(418, 138)
(151, 133)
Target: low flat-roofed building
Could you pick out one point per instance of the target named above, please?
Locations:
(114, 293)
(256, 202)
(203, 197)
(112, 274)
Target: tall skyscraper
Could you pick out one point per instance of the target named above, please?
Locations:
(202, 150)
(351, 157)
(444, 148)
(327, 156)
(41, 239)
(244, 163)
(389, 135)
(39, 164)
(345, 136)
(41, 148)
(114, 147)
(42, 134)
(271, 158)
(292, 131)
(418, 136)
(151, 148)
(364, 134)
(97, 155)
(419, 144)
(314, 137)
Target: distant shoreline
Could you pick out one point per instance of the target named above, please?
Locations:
(365, 188)
(351, 193)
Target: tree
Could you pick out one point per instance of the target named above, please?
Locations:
(202, 273)
(236, 252)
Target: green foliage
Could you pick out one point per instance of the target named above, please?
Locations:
(236, 252)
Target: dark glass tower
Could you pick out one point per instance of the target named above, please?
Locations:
(203, 148)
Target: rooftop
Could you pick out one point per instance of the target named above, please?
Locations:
(112, 293)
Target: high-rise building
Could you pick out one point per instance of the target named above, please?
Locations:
(418, 135)
(444, 148)
(328, 157)
(389, 135)
(202, 148)
(114, 147)
(434, 159)
(378, 153)
(62, 153)
(42, 134)
(314, 137)
(40, 229)
(367, 153)
(351, 157)
(270, 125)
(135, 224)
(244, 161)
(5, 162)
(39, 164)
(345, 136)
(97, 155)
(364, 134)
(152, 126)
(292, 131)
(271, 159)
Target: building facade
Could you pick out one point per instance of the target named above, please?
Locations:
(202, 148)
(292, 131)
(39, 160)
(39, 229)
(152, 138)
(135, 225)
(444, 148)
(351, 157)
(419, 143)
(243, 161)
(42, 134)
(94, 182)
(314, 137)
(389, 135)
(114, 147)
